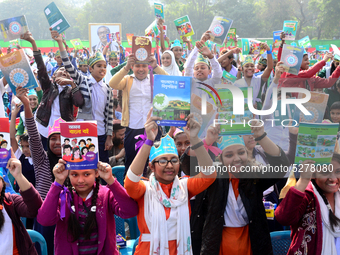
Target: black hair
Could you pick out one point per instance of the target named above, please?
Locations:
(335, 106)
(115, 102)
(66, 139)
(82, 140)
(74, 150)
(52, 157)
(333, 220)
(23, 138)
(2, 135)
(2, 198)
(73, 227)
(3, 141)
(67, 146)
(88, 139)
(91, 145)
(82, 150)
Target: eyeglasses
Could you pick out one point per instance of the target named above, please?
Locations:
(164, 162)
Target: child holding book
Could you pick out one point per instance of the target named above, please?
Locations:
(312, 209)
(199, 65)
(164, 200)
(136, 100)
(13, 235)
(84, 211)
(98, 97)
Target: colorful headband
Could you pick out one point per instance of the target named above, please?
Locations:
(167, 146)
(176, 43)
(248, 60)
(202, 59)
(229, 141)
(56, 127)
(96, 58)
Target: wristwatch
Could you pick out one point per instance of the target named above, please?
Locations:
(261, 137)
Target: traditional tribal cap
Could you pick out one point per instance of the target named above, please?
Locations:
(230, 140)
(167, 146)
(248, 59)
(113, 55)
(201, 59)
(176, 43)
(57, 53)
(56, 127)
(263, 61)
(95, 58)
(83, 62)
(32, 92)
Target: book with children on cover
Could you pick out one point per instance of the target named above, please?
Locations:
(219, 29)
(17, 71)
(79, 144)
(289, 28)
(141, 47)
(184, 26)
(171, 99)
(316, 141)
(5, 146)
(12, 28)
(77, 44)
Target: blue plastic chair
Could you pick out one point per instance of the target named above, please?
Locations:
(118, 172)
(135, 245)
(280, 242)
(36, 237)
(120, 227)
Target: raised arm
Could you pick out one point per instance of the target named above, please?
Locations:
(269, 68)
(12, 129)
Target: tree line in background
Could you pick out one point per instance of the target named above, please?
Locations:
(253, 18)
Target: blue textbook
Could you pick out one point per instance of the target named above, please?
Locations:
(292, 58)
(17, 71)
(55, 18)
(12, 28)
(171, 99)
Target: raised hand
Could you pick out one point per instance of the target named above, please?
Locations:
(59, 172)
(22, 95)
(192, 128)
(56, 36)
(14, 167)
(151, 128)
(105, 172)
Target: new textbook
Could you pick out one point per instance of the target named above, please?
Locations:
(171, 99)
(292, 58)
(290, 27)
(79, 144)
(184, 26)
(55, 18)
(219, 29)
(12, 28)
(17, 71)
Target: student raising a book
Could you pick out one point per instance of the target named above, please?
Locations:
(136, 100)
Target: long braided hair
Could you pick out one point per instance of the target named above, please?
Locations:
(74, 228)
(2, 197)
(333, 220)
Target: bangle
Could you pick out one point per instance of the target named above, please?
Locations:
(148, 142)
(269, 52)
(261, 137)
(196, 146)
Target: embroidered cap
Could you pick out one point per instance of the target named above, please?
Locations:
(202, 59)
(229, 140)
(83, 62)
(167, 146)
(263, 61)
(96, 58)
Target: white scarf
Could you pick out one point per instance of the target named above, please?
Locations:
(154, 202)
(328, 242)
(172, 69)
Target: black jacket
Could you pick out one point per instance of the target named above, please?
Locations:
(67, 97)
(208, 218)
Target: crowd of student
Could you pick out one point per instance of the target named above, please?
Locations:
(177, 212)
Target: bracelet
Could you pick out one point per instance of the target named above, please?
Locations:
(196, 146)
(261, 137)
(148, 142)
(269, 52)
